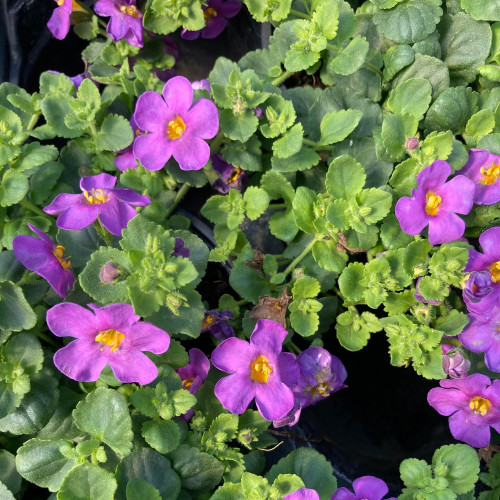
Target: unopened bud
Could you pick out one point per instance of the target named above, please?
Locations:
(109, 272)
(455, 364)
(258, 112)
(411, 143)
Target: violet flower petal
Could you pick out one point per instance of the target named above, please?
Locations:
(464, 430)
(116, 316)
(344, 494)
(178, 94)
(446, 402)
(125, 161)
(192, 153)
(131, 197)
(115, 216)
(151, 113)
(214, 27)
(61, 203)
(432, 176)
(99, 181)
(302, 494)
(490, 243)
(457, 195)
(370, 487)
(232, 355)
(445, 228)
(274, 399)
(202, 120)
(268, 335)
(133, 366)
(153, 150)
(78, 216)
(145, 336)
(235, 392)
(80, 360)
(71, 320)
(411, 214)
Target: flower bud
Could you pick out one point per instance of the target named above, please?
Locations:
(258, 112)
(455, 364)
(411, 143)
(109, 272)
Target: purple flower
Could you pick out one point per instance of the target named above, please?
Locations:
(176, 127)
(321, 374)
(180, 250)
(99, 199)
(482, 292)
(455, 365)
(46, 259)
(473, 403)
(302, 494)
(365, 488)
(125, 22)
(111, 334)
(435, 202)
(215, 13)
(482, 334)
(257, 370)
(126, 158)
(202, 85)
(484, 169)
(420, 298)
(59, 22)
(230, 176)
(216, 323)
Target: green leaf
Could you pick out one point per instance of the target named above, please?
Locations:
(345, 177)
(55, 108)
(395, 130)
(453, 323)
(452, 110)
(353, 331)
(87, 481)
(391, 235)
(115, 134)
(152, 467)
(305, 287)
(311, 467)
(24, 352)
(303, 160)
(34, 155)
(327, 255)
(45, 462)
(410, 21)
(480, 124)
(244, 155)
(15, 312)
(466, 45)
(197, 470)
(303, 209)
(412, 96)
(415, 473)
(290, 143)
(351, 58)
(13, 188)
(104, 414)
(265, 10)
(162, 435)
(482, 10)
(8, 472)
(349, 282)
(138, 489)
(462, 466)
(337, 125)
(238, 127)
(375, 204)
(396, 58)
(256, 202)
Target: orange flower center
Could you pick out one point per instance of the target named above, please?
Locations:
(260, 369)
(59, 255)
(207, 321)
(480, 405)
(187, 383)
(110, 337)
(495, 271)
(208, 14)
(130, 10)
(432, 203)
(321, 389)
(491, 175)
(176, 128)
(234, 176)
(97, 197)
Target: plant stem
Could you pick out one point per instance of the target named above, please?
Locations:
(178, 197)
(297, 259)
(278, 205)
(33, 121)
(299, 14)
(93, 130)
(47, 339)
(282, 78)
(216, 143)
(317, 146)
(294, 347)
(30, 206)
(103, 232)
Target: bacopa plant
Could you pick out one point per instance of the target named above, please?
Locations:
(348, 174)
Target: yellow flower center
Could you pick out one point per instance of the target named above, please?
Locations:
(491, 175)
(60, 2)
(97, 197)
(130, 10)
(59, 255)
(208, 14)
(76, 7)
(207, 321)
(480, 405)
(260, 369)
(234, 176)
(495, 271)
(110, 337)
(187, 383)
(176, 128)
(432, 203)
(321, 389)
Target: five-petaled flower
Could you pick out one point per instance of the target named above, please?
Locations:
(257, 369)
(365, 488)
(215, 13)
(484, 169)
(215, 322)
(125, 22)
(99, 199)
(111, 334)
(436, 202)
(482, 290)
(45, 258)
(231, 177)
(174, 127)
(473, 404)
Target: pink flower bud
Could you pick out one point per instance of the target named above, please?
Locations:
(109, 272)
(411, 143)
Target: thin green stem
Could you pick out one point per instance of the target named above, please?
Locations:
(93, 130)
(241, 302)
(282, 78)
(216, 143)
(299, 257)
(278, 205)
(297, 13)
(178, 197)
(294, 347)
(47, 339)
(454, 342)
(32, 122)
(30, 206)
(317, 146)
(29, 277)
(103, 232)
